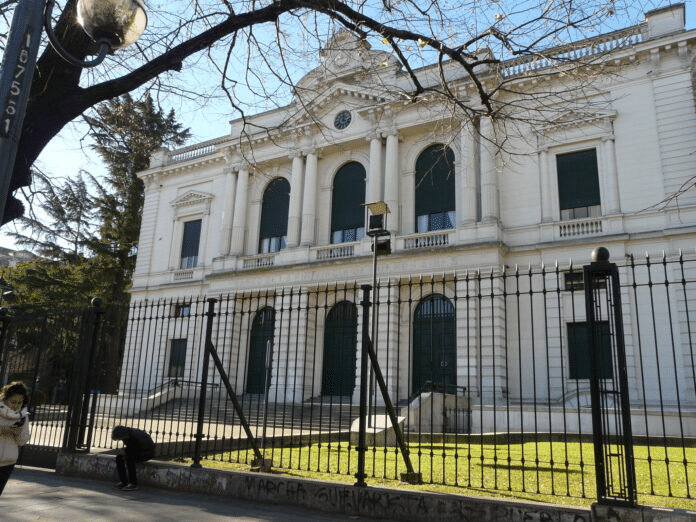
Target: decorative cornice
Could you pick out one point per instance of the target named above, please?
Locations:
(192, 198)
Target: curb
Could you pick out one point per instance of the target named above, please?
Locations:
(377, 502)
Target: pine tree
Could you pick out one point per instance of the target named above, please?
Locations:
(88, 242)
(126, 132)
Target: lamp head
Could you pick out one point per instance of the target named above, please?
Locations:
(120, 22)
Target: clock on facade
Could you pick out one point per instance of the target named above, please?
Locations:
(342, 120)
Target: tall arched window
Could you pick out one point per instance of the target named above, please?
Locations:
(434, 343)
(435, 194)
(261, 351)
(340, 349)
(274, 216)
(348, 197)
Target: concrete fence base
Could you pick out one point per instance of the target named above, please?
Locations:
(378, 502)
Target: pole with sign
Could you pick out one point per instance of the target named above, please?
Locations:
(15, 83)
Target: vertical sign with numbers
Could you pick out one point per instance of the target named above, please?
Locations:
(19, 79)
(18, 65)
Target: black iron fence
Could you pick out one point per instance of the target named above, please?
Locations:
(490, 374)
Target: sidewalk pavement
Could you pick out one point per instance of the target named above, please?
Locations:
(38, 495)
(82, 490)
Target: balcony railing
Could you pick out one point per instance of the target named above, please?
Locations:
(580, 227)
(427, 240)
(183, 275)
(336, 252)
(575, 53)
(260, 261)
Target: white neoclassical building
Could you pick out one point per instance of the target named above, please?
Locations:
(276, 207)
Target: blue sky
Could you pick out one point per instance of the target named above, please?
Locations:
(69, 153)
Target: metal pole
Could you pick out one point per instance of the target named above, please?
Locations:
(18, 65)
(371, 381)
(630, 483)
(79, 393)
(597, 431)
(204, 382)
(362, 424)
(266, 388)
(97, 314)
(614, 463)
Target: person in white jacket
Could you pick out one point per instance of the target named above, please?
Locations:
(10, 417)
(15, 398)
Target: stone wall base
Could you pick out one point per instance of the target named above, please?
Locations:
(392, 504)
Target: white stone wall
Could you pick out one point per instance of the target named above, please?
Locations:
(639, 115)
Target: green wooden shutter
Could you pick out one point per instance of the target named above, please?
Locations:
(340, 350)
(191, 240)
(435, 181)
(274, 212)
(177, 358)
(348, 197)
(434, 343)
(578, 179)
(262, 336)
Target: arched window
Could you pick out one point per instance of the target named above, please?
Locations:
(274, 216)
(261, 351)
(435, 194)
(348, 197)
(434, 343)
(340, 350)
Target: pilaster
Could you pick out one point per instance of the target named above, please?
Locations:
(309, 207)
(240, 211)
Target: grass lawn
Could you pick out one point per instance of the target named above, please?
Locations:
(555, 472)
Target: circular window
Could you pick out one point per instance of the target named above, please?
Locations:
(342, 120)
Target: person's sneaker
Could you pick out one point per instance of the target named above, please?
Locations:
(129, 487)
(120, 485)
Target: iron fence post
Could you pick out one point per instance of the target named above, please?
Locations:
(78, 405)
(86, 418)
(362, 423)
(613, 439)
(204, 382)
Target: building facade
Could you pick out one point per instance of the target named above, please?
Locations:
(276, 209)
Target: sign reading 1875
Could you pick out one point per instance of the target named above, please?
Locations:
(19, 78)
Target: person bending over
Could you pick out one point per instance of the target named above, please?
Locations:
(138, 447)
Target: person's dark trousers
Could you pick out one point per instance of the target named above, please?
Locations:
(124, 462)
(5, 472)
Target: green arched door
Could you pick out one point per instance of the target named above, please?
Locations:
(434, 343)
(260, 351)
(340, 347)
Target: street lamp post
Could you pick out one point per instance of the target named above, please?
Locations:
(110, 23)
(381, 245)
(375, 227)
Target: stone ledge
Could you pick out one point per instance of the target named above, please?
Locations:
(378, 502)
(610, 513)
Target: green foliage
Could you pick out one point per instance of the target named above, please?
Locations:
(126, 132)
(67, 214)
(56, 283)
(87, 229)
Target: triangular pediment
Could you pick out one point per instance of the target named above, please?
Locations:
(192, 197)
(580, 117)
(334, 98)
